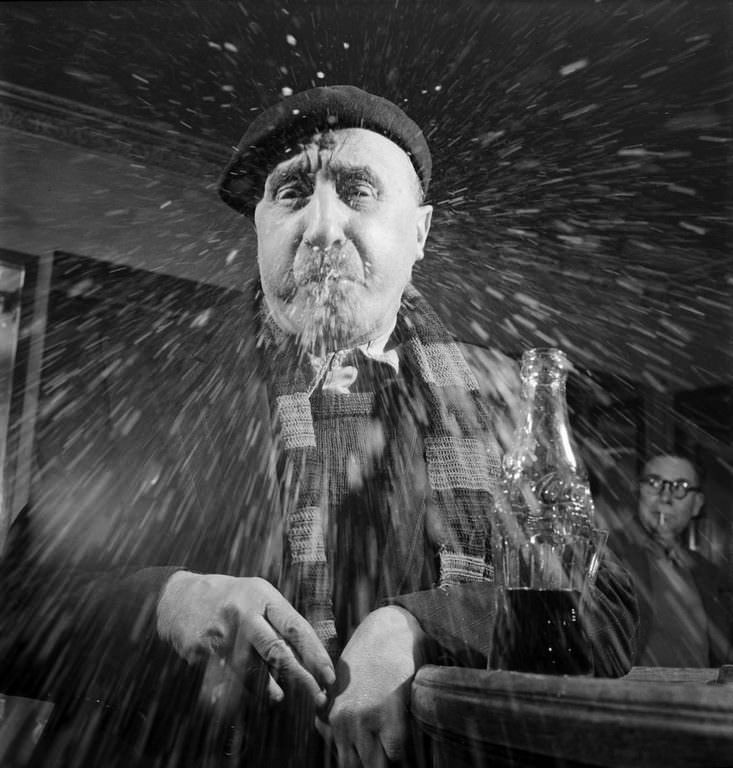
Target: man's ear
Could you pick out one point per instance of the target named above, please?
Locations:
(424, 217)
(697, 504)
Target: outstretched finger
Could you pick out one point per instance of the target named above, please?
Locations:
(301, 636)
(280, 658)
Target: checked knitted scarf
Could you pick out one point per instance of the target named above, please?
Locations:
(462, 464)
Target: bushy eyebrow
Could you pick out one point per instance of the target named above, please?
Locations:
(303, 171)
(292, 173)
(356, 172)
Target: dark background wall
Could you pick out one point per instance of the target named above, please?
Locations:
(582, 172)
(582, 151)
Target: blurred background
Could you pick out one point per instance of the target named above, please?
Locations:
(582, 179)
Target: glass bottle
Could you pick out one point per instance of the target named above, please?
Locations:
(545, 477)
(548, 549)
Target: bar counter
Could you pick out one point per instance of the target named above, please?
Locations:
(654, 717)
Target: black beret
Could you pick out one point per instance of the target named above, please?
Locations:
(280, 128)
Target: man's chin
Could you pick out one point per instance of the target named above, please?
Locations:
(664, 536)
(326, 327)
(329, 337)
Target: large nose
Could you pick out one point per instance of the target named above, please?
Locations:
(325, 218)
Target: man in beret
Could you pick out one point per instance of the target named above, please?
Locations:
(342, 538)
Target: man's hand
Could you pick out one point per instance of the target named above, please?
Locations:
(368, 722)
(244, 628)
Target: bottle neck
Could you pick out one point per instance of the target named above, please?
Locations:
(547, 485)
(545, 429)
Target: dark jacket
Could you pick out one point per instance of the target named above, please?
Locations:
(155, 452)
(634, 548)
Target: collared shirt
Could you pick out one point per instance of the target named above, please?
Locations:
(337, 371)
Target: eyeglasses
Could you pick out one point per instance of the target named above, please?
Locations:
(653, 484)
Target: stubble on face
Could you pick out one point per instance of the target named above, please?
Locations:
(334, 296)
(325, 312)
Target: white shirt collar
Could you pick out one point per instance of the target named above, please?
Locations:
(339, 377)
(375, 349)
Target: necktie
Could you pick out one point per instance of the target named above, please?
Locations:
(338, 371)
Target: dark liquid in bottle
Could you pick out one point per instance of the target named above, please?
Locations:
(539, 631)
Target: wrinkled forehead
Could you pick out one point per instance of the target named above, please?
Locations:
(350, 148)
(671, 468)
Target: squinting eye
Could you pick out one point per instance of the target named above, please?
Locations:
(290, 193)
(359, 192)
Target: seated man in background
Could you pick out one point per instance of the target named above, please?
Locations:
(685, 618)
(267, 535)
